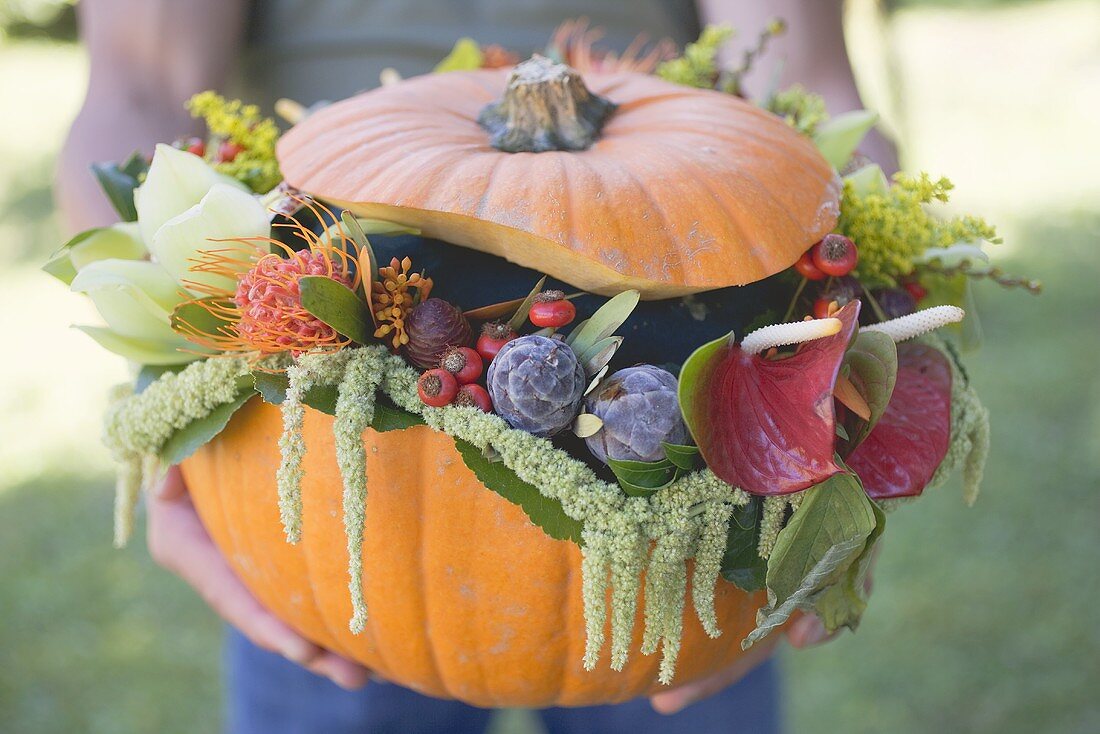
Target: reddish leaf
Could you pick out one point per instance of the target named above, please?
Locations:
(908, 443)
(768, 425)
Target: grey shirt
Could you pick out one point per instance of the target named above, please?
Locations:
(310, 50)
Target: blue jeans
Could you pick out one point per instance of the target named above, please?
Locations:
(270, 695)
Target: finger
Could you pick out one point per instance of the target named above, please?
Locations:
(341, 671)
(807, 631)
(171, 487)
(671, 702)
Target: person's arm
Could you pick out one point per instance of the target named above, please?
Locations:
(812, 53)
(146, 58)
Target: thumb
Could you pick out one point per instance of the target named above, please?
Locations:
(172, 486)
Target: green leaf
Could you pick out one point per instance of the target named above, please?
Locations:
(465, 56)
(684, 457)
(389, 417)
(272, 387)
(643, 478)
(838, 138)
(545, 512)
(60, 264)
(815, 550)
(604, 322)
(336, 305)
(191, 316)
(872, 361)
(843, 603)
(741, 563)
(119, 181)
(519, 318)
(198, 433)
(150, 373)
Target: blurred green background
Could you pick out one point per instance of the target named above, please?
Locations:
(982, 619)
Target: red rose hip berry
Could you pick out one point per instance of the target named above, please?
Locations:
(195, 146)
(462, 362)
(835, 255)
(437, 388)
(494, 335)
(806, 268)
(822, 308)
(228, 150)
(551, 309)
(474, 395)
(916, 290)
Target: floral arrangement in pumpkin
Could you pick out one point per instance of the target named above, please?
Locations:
(769, 456)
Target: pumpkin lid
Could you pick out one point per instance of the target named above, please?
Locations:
(647, 184)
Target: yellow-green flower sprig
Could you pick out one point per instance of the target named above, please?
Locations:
(255, 165)
(698, 66)
(893, 228)
(801, 109)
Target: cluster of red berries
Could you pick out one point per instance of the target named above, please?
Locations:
(454, 381)
(227, 150)
(835, 255)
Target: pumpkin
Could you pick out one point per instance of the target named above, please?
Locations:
(639, 183)
(468, 599)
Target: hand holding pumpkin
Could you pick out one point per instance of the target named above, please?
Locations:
(179, 542)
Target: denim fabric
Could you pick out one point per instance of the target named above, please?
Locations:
(270, 695)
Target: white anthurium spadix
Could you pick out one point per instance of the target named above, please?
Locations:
(796, 332)
(913, 325)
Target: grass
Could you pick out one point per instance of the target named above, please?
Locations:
(982, 619)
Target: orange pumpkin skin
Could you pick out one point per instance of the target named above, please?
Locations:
(686, 190)
(467, 599)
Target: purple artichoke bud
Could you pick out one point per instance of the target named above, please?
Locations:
(896, 302)
(639, 408)
(537, 384)
(432, 326)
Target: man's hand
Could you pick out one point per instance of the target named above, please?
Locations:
(179, 542)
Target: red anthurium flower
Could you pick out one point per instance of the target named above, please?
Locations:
(908, 443)
(767, 425)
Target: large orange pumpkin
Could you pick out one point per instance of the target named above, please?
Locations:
(679, 190)
(467, 598)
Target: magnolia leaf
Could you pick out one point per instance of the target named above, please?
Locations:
(118, 182)
(60, 265)
(683, 457)
(198, 433)
(602, 324)
(868, 180)
(543, 511)
(767, 425)
(389, 417)
(587, 425)
(465, 56)
(843, 603)
(643, 478)
(200, 317)
(596, 357)
(494, 311)
(907, 445)
(272, 387)
(838, 138)
(741, 563)
(575, 332)
(519, 317)
(872, 363)
(955, 255)
(820, 542)
(596, 378)
(336, 305)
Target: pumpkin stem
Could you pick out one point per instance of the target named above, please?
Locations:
(546, 106)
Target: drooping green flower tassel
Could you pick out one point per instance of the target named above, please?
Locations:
(715, 522)
(771, 522)
(628, 556)
(127, 490)
(594, 593)
(354, 413)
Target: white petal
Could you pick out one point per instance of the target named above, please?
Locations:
(119, 241)
(134, 297)
(224, 212)
(142, 351)
(177, 180)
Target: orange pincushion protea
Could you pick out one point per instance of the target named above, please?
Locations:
(264, 314)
